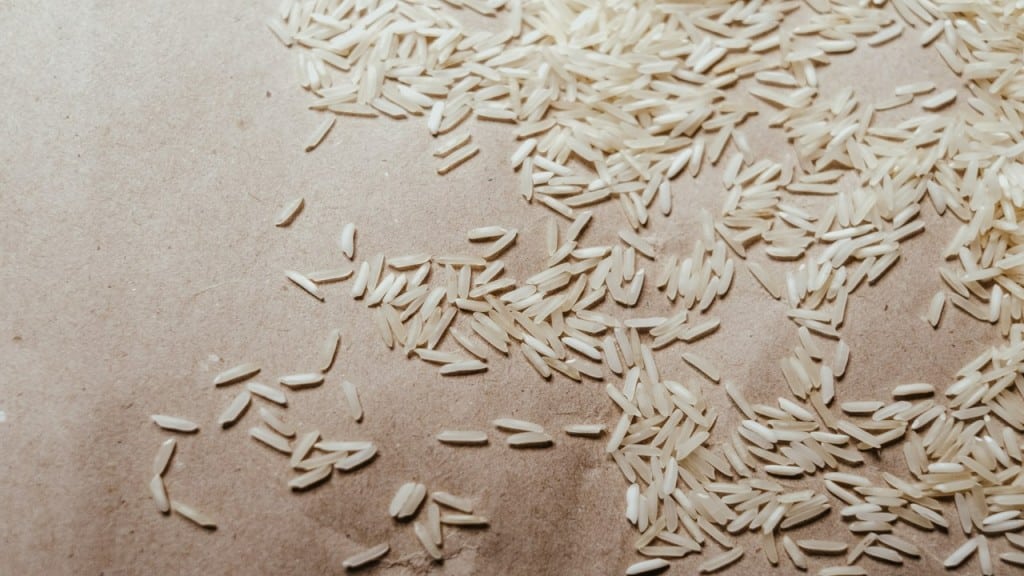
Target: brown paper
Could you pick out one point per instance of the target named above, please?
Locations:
(149, 147)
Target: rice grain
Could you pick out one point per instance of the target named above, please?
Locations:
(366, 557)
(163, 456)
(463, 437)
(305, 283)
(355, 408)
(193, 514)
(236, 374)
(235, 409)
(174, 423)
(288, 213)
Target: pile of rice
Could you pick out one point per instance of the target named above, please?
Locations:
(618, 102)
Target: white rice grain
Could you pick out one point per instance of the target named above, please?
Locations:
(193, 514)
(163, 456)
(330, 275)
(329, 350)
(453, 502)
(587, 430)
(320, 133)
(235, 409)
(470, 520)
(516, 425)
(302, 447)
(275, 422)
(302, 380)
(347, 240)
(909, 390)
(357, 459)
(423, 535)
(530, 440)
(940, 100)
(702, 365)
(355, 408)
(288, 213)
(407, 500)
(236, 374)
(159, 492)
(275, 395)
(366, 557)
(463, 437)
(305, 283)
(174, 423)
(309, 479)
(271, 439)
(721, 561)
(457, 159)
(652, 566)
(962, 553)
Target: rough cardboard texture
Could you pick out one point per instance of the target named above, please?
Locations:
(147, 148)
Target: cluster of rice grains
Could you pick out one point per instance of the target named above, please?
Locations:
(611, 101)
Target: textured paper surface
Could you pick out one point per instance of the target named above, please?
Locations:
(147, 149)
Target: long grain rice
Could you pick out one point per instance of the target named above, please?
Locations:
(163, 456)
(236, 374)
(366, 557)
(193, 514)
(235, 409)
(288, 212)
(174, 423)
(463, 437)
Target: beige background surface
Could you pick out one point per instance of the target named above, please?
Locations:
(147, 147)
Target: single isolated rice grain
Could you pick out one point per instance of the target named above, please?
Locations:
(330, 275)
(463, 437)
(275, 422)
(469, 520)
(423, 535)
(721, 561)
(302, 447)
(939, 100)
(289, 212)
(236, 374)
(194, 515)
(516, 425)
(347, 240)
(159, 492)
(174, 423)
(304, 380)
(463, 367)
(275, 395)
(702, 365)
(311, 478)
(530, 440)
(329, 350)
(271, 439)
(163, 456)
(652, 566)
(587, 430)
(320, 133)
(961, 554)
(355, 408)
(434, 524)
(300, 280)
(366, 557)
(822, 546)
(235, 409)
(453, 502)
(357, 460)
